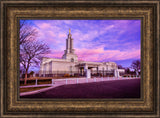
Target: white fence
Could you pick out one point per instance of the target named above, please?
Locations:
(77, 81)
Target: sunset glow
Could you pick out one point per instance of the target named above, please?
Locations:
(94, 40)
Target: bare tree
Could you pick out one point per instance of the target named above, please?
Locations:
(136, 65)
(127, 70)
(120, 67)
(31, 50)
(27, 32)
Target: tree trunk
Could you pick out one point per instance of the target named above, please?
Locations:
(25, 79)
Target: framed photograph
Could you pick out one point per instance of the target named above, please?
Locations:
(80, 59)
(87, 61)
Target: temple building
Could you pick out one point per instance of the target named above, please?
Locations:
(69, 64)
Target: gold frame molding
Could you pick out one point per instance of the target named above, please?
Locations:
(146, 11)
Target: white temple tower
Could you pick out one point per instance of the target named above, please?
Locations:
(69, 52)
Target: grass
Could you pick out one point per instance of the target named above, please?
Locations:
(32, 89)
(32, 82)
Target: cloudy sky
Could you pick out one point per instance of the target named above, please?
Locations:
(94, 40)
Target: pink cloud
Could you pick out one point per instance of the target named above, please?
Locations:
(62, 35)
(100, 54)
(90, 39)
(44, 25)
(55, 54)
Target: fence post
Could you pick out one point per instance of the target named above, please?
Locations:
(87, 80)
(77, 80)
(66, 81)
(52, 81)
(101, 78)
(36, 82)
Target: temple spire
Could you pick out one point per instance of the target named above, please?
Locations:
(69, 52)
(69, 43)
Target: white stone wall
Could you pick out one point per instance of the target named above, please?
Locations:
(111, 65)
(65, 66)
(52, 65)
(58, 66)
(106, 66)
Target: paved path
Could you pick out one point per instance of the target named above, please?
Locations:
(69, 81)
(101, 89)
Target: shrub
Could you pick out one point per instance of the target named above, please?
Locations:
(66, 75)
(110, 75)
(31, 73)
(127, 75)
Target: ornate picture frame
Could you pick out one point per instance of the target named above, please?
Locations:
(13, 11)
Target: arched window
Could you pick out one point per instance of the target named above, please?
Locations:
(72, 60)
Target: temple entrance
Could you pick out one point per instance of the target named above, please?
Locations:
(86, 69)
(81, 71)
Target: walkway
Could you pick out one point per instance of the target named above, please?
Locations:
(127, 88)
(69, 81)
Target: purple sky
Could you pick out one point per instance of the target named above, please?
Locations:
(94, 40)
